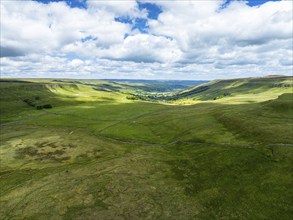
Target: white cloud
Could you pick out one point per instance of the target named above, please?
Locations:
(76, 63)
(144, 48)
(46, 28)
(117, 8)
(190, 39)
(207, 32)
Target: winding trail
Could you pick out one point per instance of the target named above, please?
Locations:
(135, 142)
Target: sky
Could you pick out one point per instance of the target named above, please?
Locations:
(146, 39)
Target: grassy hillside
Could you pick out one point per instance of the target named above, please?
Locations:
(96, 154)
(239, 90)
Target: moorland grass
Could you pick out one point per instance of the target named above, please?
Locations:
(98, 155)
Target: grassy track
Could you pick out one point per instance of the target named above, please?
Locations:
(98, 155)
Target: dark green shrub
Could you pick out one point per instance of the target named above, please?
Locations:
(29, 102)
(132, 97)
(47, 106)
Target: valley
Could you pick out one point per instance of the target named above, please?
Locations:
(102, 149)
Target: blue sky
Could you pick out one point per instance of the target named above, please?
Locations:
(153, 10)
(146, 39)
(151, 7)
(71, 3)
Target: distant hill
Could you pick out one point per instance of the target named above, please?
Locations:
(229, 88)
(158, 85)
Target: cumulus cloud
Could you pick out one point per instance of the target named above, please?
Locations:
(118, 8)
(145, 48)
(209, 31)
(38, 27)
(189, 39)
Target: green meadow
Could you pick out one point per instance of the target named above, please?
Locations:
(92, 149)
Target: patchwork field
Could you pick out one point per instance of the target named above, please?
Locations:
(91, 149)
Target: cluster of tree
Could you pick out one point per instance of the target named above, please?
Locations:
(185, 94)
(169, 97)
(157, 87)
(31, 103)
(133, 97)
(221, 96)
(282, 85)
(150, 97)
(147, 97)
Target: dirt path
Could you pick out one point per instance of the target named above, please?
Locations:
(130, 119)
(54, 113)
(23, 119)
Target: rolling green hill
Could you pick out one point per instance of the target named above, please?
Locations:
(82, 149)
(245, 90)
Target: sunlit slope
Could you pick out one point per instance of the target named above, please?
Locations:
(268, 122)
(20, 98)
(239, 90)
